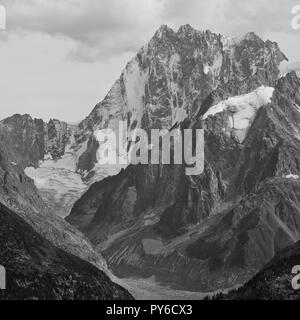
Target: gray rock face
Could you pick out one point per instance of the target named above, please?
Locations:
(31, 139)
(171, 75)
(215, 230)
(15, 187)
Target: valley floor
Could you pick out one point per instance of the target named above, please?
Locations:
(149, 289)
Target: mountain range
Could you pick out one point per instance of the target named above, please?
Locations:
(204, 233)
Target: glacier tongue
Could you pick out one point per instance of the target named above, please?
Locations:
(59, 187)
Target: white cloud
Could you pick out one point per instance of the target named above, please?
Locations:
(102, 28)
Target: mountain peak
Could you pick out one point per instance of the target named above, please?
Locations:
(18, 117)
(289, 84)
(252, 36)
(163, 30)
(186, 29)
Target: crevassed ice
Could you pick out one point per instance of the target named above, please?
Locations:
(58, 181)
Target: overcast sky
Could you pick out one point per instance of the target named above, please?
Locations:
(58, 58)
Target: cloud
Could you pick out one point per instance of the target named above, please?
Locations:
(232, 16)
(103, 28)
(99, 28)
(260, 16)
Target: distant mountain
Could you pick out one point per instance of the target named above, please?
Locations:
(37, 270)
(42, 150)
(216, 230)
(19, 193)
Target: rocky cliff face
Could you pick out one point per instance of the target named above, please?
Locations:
(175, 71)
(36, 269)
(32, 139)
(218, 229)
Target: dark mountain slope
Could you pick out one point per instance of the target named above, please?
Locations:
(273, 282)
(38, 270)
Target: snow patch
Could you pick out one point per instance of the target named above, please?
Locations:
(60, 187)
(135, 81)
(292, 176)
(243, 105)
(179, 114)
(217, 65)
(206, 69)
(242, 109)
(67, 162)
